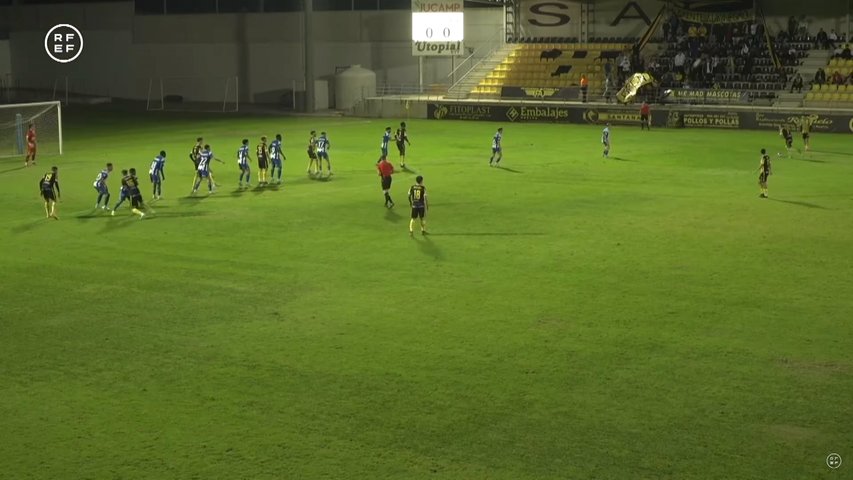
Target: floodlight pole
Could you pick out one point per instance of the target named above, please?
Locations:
(308, 42)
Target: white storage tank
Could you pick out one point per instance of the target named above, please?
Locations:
(352, 85)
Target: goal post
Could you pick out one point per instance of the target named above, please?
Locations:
(15, 119)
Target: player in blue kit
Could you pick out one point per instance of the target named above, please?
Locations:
(605, 140)
(123, 195)
(323, 146)
(204, 159)
(157, 173)
(277, 157)
(101, 187)
(243, 163)
(386, 139)
(497, 149)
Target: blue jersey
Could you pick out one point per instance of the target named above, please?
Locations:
(496, 141)
(243, 156)
(157, 166)
(323, 144)
(275, 150)
(101, 179)
(204, 159)
(605, 136)
(386, 138)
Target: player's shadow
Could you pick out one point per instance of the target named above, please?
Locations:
(428, 247)
(392, 216)
(192, 200)
(488, 234)
(620, 159)
(507, 169)
(120, 222)
(21, 167)
(181, 214)
(800, 203)
(26, 227)
(849, 154)
(813, 160)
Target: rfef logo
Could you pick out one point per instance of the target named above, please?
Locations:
(63, 43)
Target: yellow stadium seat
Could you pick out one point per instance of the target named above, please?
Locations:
(832, 88)
(834, 97)
(810, 96)
(833, 62)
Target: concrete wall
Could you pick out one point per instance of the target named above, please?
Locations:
(5, 60)
(194, 54)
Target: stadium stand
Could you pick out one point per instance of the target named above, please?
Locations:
(837, 89)
(544, 64)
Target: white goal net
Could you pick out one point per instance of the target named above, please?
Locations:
(206, 94)
(15, 119)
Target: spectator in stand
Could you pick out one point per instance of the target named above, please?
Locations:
(584, 87)
(625, 67)
(730, 64)
(673, 27)
(792, 26)
(666, 27)
(607, 89)
(792, 56)
(837, 52)
(845, 54)
(819, 77)
(608, 68)
(678, 61)
(797, 83)
(832, 39)
(837, 78)
(822, 40)
(702, 31)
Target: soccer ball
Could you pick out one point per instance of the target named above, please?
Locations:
(778, 154)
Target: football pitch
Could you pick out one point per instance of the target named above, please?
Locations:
(645, 316)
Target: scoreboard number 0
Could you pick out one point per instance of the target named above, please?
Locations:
(445, 32)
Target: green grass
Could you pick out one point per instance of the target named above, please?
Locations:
(643, 317)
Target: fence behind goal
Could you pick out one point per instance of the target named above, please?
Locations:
(15, 120)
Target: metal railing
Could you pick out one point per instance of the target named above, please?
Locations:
(477, 57)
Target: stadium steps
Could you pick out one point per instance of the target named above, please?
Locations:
(463, 87)
(816, 59)
(785, 99)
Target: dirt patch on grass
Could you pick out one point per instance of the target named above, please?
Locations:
(815, 368)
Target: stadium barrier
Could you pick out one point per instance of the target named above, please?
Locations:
(662, 116)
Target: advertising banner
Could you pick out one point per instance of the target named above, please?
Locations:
(569, 93)
(617, 115)
(703, 96)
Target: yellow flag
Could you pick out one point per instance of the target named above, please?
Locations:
(632, 85)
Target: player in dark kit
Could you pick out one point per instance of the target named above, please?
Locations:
(313, 161)
(764, 172)
(785, 133)
(386, 169)
(49, 188)
(401, 137)
(418, 201)
(131, 183)
(262, 153)
(195, 154)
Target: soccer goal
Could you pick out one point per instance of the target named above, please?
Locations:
(199, 94)
(15, 120)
